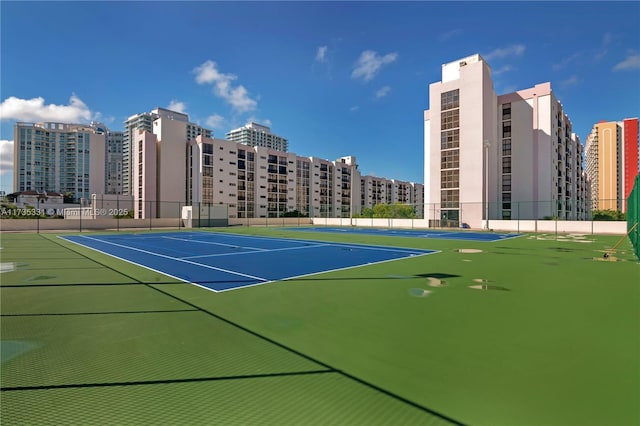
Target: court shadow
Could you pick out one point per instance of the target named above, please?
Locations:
(437, 275)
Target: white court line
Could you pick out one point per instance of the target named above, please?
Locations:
(264, 281)
(380, 248)
(176, 259)
(329, 243)
(136, 263)
(321, 272)
(419, 234)
(263, 250)
(217, 244)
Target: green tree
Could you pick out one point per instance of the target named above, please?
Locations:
(388, 211)
(608, 215)
(365, 213)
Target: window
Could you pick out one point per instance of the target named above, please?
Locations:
(450, 159)
(506, 129)
(450, 100)
(506, 183)
(506, 111)
(450, 119)
(449, 198)
(450, 139)
(506, 164)
(450, 178)
(506, 147)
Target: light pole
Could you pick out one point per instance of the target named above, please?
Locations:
(487, 143)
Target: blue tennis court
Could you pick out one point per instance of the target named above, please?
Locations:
(221, 262)
(415, 233)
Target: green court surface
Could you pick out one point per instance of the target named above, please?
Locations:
(534, 330)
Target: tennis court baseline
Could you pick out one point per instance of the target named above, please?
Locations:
(489, 237)
(221, 262)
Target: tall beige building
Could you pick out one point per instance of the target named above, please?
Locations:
(144, 121)
(512, 156)
(612, 162)
(161, 175)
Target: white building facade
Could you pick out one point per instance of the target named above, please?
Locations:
(60, 157)
(254, 134)
(258, 182)
(145, 121)
(113, 153)
(498, 157)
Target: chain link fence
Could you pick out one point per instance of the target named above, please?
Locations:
(115, 213)
(633, 229)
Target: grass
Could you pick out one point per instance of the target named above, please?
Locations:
(89, 339)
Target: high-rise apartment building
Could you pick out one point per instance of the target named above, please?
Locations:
(612, 162)
(144, 121)
(254, 134)
(376, 190)
(167, 136)
(60, 157)
(113, 166)
(540, 159)
(512, 156)
(259, 182)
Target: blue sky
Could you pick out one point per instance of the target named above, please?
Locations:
(335, 78)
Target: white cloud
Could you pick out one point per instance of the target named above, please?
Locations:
(6, 157)
(262, 121)
(565, 61)
(631, 62)
(35, 109)
(354, 108)
(503, 69)
(513, 50)
(382, 92)
(177, 106)
(237, 96)
(321, 54)
(103, 119)
(607, 38)
(571, 81)
(450, 34)
(601, 54)
(369, 64)
(215, 121)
